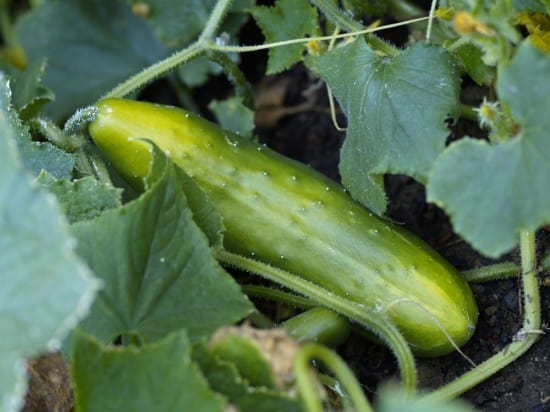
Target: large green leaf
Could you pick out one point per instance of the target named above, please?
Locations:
(286, 20)
(157, 267)
(396, 109)
(90, 47)
(155, 377)
(492, 192)
(45, 289)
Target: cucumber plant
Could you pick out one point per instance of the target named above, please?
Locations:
(395, 102)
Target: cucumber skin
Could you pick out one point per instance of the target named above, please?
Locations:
(281, 212)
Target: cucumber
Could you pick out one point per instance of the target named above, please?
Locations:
(318, 325)
(283, 213)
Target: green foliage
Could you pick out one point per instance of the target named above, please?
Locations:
(232, 346)
(502, 187)
(155, 377)
(89, 48)
(288, 19)
(177, 23)
(396, 110)
(45, 289)
(163, 292)
(359, 7)
(163, 277)
(29, 93)
(470, 57)
(224, 378)
(232, 115)
(81, 199)
(37, 156)
(531, 5)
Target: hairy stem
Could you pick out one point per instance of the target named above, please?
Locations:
(372, 320)
(277, 295)
(216, 16)
(523, 340)
(183, 56)
(235, 76)
(156, 70)
(492, 272)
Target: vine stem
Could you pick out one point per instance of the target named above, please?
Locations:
(492, 272)
(306, 385)
(277, 295)
(256, 47)
(216, 16)
(524, 339)
(191, 52)
(374, 321)
(156, 70)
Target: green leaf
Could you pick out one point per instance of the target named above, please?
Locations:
(155, 377)
(89, 46)
(492, 192)
(288, 19)
(471, 59)
(82, 199)
(177, 23)
(45, 289)
(234, 345)
(233, 115)
(29, 94)
(158, 269)
(38, 156)
(205, 215)
(43, 156)
(396, 109)
(223, 377)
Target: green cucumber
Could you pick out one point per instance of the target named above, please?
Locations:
(283, 213)
(318, 325)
